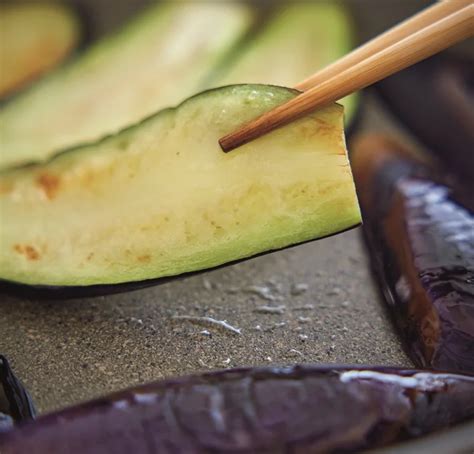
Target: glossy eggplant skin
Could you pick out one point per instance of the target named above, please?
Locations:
(434, 99)
(300, 409)
(15, 403)
(419, 228)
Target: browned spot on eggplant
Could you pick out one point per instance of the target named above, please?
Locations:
(49, 184)
(31, 253)
(323, 127)
(315, 128)
(144, 258)
(28, 251)
(6, 187)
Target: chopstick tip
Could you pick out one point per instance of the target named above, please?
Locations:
(225, 146)
(235, 140)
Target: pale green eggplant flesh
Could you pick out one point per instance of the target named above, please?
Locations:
(156, 61)
(161, 199)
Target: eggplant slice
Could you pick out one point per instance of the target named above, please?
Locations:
(419, 228)
(156, 61)
(161, 198)
(35, 37)
(15, 403)
(300, 409)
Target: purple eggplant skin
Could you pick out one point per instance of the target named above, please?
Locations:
(299, 409)
(16, 404)
(435, 100)
(419, 227)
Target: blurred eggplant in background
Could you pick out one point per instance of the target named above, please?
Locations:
(15, 403)
(298, 409)
(156, 60)
(435, 100)
(419, 228)
(176, 50)
(35, 38)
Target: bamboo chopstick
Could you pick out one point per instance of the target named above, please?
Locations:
(443, 28)
(421, 20)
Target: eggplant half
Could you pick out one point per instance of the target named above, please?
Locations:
(301, 409)
(419, 226)
(36, 36)
(434, 99)
(301, 38)
(156, 61)
(161, 198)
(15, 403)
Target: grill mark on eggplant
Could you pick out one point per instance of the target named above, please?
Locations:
(297, 409)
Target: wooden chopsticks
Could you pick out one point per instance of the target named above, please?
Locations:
(425, 34)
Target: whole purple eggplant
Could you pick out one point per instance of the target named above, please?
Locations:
(301, 409)
(419, 226)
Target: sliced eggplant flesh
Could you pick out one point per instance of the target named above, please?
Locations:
(300, 409)
(419, 228)
(161, 198)
(34, 38)
(302, 38)
(156, 61)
